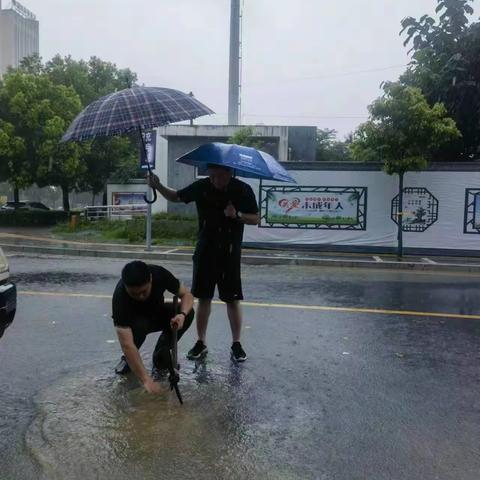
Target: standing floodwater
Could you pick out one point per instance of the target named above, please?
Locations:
(324, 394)
(103, 427)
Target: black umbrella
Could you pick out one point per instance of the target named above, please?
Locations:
(137, 108)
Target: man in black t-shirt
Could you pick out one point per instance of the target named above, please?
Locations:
(139, 308)
(224, 205)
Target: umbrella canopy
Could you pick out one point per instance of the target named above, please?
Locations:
(245, 161)
(137, 108)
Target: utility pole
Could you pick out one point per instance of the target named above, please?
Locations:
(234, 70)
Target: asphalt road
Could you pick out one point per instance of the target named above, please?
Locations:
(351, 374)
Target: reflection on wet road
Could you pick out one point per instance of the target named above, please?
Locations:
(324, 394)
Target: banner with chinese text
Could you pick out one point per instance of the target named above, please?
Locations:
(314, 207)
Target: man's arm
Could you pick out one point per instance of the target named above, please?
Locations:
(169, 193)
(186, 304)
(247, 218)
(135, 362)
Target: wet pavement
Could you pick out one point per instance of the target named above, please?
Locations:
(43, 241)
(325, 394)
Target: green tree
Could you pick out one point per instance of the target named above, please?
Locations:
(115, 157)
(244, 136)
(37, 129)
(329, 148)
(31, 107)
(13, 169)
(61, 164)
(32, 64)
(404, 132)
(91, 79)
(446, 67)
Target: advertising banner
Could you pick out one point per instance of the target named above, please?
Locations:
(313, 207)
(127, 198)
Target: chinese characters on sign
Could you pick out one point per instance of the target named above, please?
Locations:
(420, 209)
(150, 139)
(313, 207)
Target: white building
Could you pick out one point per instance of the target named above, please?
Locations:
(18, 34)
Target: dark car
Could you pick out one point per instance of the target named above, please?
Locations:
(8, 295)
(24, 206)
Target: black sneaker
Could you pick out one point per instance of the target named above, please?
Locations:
(122, 366)
(199, 350)
(238, 353)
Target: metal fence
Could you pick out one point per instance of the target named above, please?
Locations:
(115, 212)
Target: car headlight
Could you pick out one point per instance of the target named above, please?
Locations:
(3, 262)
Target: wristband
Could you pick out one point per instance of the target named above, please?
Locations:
(184, 314)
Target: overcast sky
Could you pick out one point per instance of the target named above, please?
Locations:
(305, 62)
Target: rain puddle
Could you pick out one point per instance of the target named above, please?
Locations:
(102, 426)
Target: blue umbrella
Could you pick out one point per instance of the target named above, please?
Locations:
(245, 161)
(137, 108)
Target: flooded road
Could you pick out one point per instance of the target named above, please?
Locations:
(324, 394)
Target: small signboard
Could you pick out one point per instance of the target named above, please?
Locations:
(150, 140)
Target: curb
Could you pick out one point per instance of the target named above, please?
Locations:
(248, 259)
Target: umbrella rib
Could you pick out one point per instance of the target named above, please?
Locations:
(165, 111)
(133, 123)
(98, 115)
(150, 111)
(115, 102)
(178, 104)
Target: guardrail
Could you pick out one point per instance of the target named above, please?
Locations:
(115, 212)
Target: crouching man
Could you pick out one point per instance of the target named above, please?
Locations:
(139, 308)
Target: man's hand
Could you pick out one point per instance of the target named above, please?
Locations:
(153, 181)
(230, 210)
(151, 386)
(177, 321)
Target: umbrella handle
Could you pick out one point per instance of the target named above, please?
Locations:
(174, 376)
(175, 335)
(149, 169)
(154, 199)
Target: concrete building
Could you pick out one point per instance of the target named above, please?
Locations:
(285, 143)
(18, 35)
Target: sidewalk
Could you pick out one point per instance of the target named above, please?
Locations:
(40, 241)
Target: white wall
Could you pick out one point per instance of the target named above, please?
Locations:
(447, 233)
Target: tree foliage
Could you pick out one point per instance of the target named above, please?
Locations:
(404, 131)
(107, 157)
(329, 148)
(34, 114)
(446, 67)
(244, 136)
(37, 103)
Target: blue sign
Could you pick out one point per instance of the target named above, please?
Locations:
(150, 139)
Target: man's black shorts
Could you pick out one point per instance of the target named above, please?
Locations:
(209, 272)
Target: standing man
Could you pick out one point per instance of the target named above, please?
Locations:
(224, 205)
(139, 308)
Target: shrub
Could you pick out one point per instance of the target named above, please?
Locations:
(29, 218)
